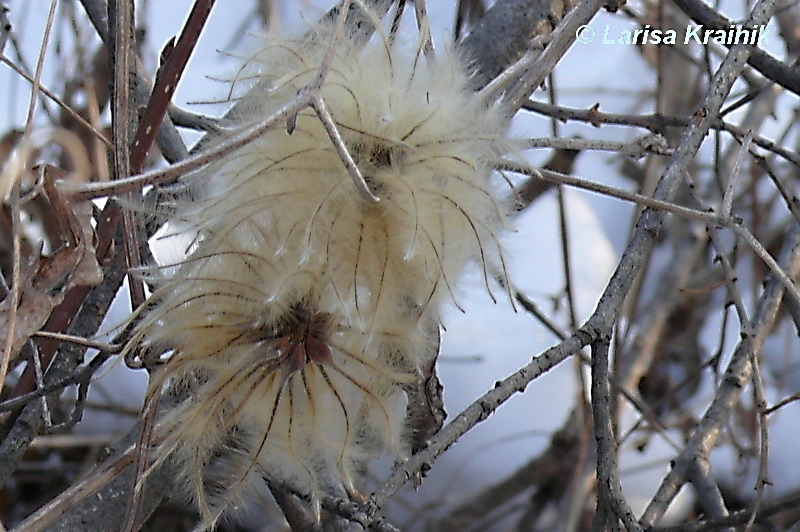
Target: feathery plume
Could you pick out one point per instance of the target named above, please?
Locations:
(302, 314)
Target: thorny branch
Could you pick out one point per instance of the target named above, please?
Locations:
(599, 326)
(736, 375)
(771, 68)
(655, 122)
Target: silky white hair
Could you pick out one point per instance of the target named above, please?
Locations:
(302, 312)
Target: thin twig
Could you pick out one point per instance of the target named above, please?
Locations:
(655, 144)
(166, 82)
(84, 375)
(735, 224)
(791, 399)
(140, 460)
(767, 65)
(100, 346)
(60, 102)
(609, 490)
(654, 122)
(309, 96)
(186, 166)
(336, 139)
(739, 517)
(737, 374)
(537, 71)
(730, 189)
(763, 439)
(16, 289)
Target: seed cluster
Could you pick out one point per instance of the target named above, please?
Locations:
(303, 314)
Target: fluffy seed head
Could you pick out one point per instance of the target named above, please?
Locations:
(302, 312)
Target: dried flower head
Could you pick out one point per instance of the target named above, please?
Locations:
(303, 314)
